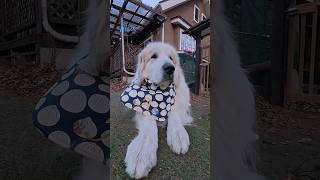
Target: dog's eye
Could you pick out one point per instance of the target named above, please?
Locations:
(154, 56)
(171, 58)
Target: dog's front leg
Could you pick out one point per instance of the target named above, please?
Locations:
(142, 152)
(177, 136)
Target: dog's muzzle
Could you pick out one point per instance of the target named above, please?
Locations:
(150, 99)
(168, 68)
(168, 71)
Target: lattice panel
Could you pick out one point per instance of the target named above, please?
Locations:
(131, 51)
(18, 14)
(116, 60)
(63, 9)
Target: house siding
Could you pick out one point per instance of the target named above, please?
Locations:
(172, 32)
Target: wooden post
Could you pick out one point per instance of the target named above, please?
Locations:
(108, 40)
(2, 20)
(38, 31)
(198, 62)
(313, 52)
(277, 53)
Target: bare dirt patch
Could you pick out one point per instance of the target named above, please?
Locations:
(27, 80)
(289, 141)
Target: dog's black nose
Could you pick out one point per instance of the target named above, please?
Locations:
(168, 68)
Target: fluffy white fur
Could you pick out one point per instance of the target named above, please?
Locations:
(141, 154)
(233, 108)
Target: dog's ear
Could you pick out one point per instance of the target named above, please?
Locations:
(182, 93)
(179, 76)
(137, 77)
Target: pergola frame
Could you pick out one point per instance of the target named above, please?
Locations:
(136, 15)
(140, 19)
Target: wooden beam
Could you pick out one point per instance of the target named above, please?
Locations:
(128, 20)
(258, 67)
(302, 50)
(139, 37)
(111, 4)
(135, 12)
(145, 7)
(18, 42)
(198, 28)
(106, 66)
(144, 16)
(205, 32)
(132, 22)
(313, 51)
(130, 12)
(198, 66)
(277, 53)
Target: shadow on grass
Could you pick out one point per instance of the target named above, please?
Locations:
(25, 154)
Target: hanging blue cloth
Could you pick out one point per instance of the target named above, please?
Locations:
(150, 99)
(75, 114)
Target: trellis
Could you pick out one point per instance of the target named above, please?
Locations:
(63, 11)
(18, 14)
(22, 21)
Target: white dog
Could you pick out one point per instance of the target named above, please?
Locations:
(159, 63)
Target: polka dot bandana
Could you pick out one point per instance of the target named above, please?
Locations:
(75, 114)
(149, 99)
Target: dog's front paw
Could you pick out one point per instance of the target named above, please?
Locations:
(178, 139)
(141, 157)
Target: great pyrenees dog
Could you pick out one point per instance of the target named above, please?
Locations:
(159, 63)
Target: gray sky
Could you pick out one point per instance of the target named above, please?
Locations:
(151, 3)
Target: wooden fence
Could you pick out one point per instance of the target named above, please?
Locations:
(303, 69)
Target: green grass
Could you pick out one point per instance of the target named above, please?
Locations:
(193, 165)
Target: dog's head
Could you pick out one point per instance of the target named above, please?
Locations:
(158, 62)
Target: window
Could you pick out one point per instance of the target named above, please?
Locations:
(203, 17)
(187, 43)
(196, 16)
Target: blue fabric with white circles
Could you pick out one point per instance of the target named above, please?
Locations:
(150, 99)
(75, 114)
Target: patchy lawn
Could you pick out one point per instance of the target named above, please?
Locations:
(193, 165)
